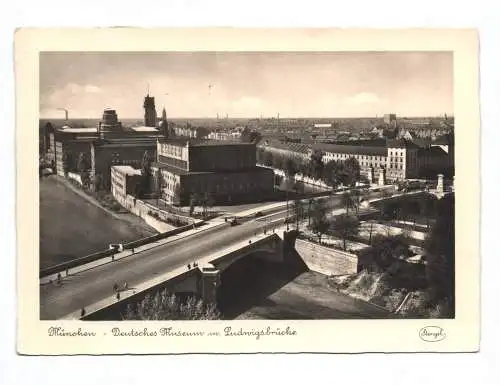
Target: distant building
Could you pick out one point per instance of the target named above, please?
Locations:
(390, 119)
(186, 132)
(225, 135)
(124, 180)
(226, 171)
(400, 159)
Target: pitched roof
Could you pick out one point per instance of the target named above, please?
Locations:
(351, 149)
(300, 148)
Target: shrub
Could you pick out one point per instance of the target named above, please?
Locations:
(166, 306)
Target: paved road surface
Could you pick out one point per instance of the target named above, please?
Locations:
(90, 286)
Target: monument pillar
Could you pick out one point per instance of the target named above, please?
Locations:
(440, 184)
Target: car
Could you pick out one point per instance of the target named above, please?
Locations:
(234, 222)
(259, 214)
(117, 247)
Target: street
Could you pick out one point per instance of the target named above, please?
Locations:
(87, 287)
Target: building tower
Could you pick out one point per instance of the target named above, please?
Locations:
(149, 111)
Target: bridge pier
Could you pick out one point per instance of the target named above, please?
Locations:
(210, 281)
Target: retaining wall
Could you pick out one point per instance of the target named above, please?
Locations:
(153, 216)
(325, 260)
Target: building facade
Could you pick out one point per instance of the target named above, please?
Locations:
(117, 152)
(399, 159)
(226, 171)
(124, 180)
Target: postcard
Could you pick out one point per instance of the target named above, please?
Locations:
(225, 190)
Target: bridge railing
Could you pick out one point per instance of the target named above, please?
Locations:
(109, 252)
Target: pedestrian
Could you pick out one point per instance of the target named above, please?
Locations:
(59, 277)
(118, 296)
(112, 257)
(189, 266)
(82, 313)
(67, 272)
(133, 250)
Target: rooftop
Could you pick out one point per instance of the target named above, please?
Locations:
(287, 146)
(180, 171)
(351, 149)
(128, 170)
(144, 129)
(203, 142)
(77, 130)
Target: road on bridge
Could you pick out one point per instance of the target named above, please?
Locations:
(87, 287)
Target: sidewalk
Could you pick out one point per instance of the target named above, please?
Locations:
(203, 261)
(127, 253)
(219, 221)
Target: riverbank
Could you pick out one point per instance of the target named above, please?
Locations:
(73, 224)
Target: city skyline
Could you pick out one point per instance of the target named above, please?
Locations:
(248, 84)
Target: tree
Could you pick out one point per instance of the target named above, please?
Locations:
(352, 172)
(290, 167)
(332, 173)
(97, 182)
(346, 226)
(426, 204)
(316, 164)
(146, 171)
(319, 223)
(357, 198)
(347, 201)
(210, 200)
(203, 203)
(177, 194)
(160, 184)
(193, 201)
(83, 169)
(166, 306)
(297, 211)
(311, 202)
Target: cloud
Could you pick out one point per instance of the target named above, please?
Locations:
(364, 98)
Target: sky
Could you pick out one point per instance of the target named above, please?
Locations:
(247, 84)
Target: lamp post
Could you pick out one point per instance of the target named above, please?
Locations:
(286, 219)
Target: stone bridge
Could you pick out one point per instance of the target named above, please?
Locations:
(202, 281)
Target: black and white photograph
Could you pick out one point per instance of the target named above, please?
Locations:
(247, 185)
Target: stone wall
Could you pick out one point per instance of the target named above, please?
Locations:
(154, 217)
(326, 260)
